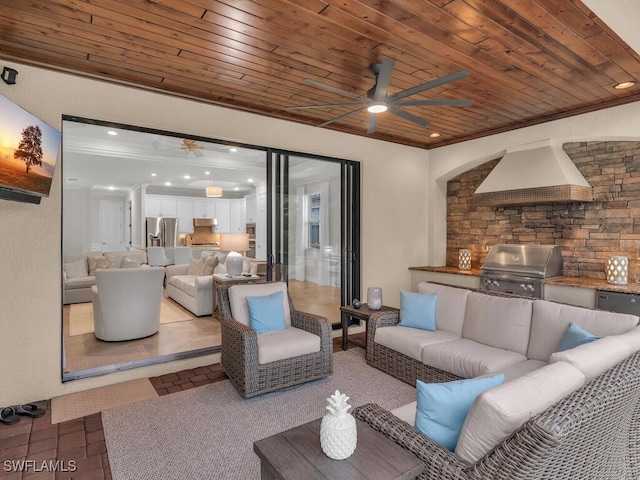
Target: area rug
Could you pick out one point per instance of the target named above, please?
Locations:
(81, 316)
(208, 432)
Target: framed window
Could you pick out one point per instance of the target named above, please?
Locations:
(314, 220)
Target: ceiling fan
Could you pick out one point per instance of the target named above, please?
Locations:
(378, 100)
(190, 146)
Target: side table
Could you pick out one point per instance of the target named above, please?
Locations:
(363, 313)
(296, 454)
(224, 279)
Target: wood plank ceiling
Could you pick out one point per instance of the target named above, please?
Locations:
(529, 61)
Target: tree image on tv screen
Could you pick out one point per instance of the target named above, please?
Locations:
(30, 147)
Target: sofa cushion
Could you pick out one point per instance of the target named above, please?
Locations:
(266, 313)
(550, 321)
(467, 359)
(82, 282)
(575, 336)
(443, 407)
(287, 343)
(239, 293)
(499, 322)
(407, 413)
(631, 338)
(499, 412)
(186, 283)
(594, 358)
(450, 307)
(410, 341)
(519, 369)
(76, 269)
(418, 310)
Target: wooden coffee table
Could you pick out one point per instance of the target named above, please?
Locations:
(296, 454)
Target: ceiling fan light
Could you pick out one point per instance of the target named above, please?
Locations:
(377, 107)
(214, 192)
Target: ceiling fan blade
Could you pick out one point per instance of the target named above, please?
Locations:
(372, 123)
(346, 93)
(428, 85)
(383, 79)
(341, 117)
(325, 105)
(448, 102)
(408, 116)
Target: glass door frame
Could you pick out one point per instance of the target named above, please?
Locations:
(278, 220)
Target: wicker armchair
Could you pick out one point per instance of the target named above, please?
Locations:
(240, 351)
(590, 434)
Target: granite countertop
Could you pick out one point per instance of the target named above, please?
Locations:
(473, 272)
(592, 283)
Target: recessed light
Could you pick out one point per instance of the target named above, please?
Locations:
(168, 184)
(434, 135)
(236, 188)
(187, 177)
(111, 187)
(623, 85)
(112, 132)
(207, 173)
(233, 149)
(154, 174)
(250, 180)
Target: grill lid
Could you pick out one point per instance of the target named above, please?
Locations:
(539, 261)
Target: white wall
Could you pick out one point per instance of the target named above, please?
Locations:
(619, 123)
(394, 227)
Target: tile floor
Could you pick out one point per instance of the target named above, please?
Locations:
(77, 447)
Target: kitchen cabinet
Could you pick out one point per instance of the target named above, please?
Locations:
(223, 214)
(238, 216)
(251, 208)
(185, 216)
(199, 209)
(160, 206)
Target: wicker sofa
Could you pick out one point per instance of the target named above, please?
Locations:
(588, 429)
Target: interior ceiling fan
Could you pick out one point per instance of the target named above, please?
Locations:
(378, 100)
(190, 146)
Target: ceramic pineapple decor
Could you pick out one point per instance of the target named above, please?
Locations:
(338, 433)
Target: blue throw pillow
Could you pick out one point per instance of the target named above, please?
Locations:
(418, 310)
(443, 407)
(266, 313)
(575, 336)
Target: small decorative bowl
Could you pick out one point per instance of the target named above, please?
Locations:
(356, 303)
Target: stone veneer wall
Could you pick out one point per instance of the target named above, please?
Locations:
(587, 232)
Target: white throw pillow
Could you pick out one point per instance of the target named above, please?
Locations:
(195, 267)
(500, 411)
(76, 269)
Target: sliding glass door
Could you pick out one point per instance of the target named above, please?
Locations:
(313, 230)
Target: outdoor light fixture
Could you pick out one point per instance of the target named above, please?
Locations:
(464, 259)
(9, 75)
(617, 270)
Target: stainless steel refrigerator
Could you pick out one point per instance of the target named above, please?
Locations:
(162, 232)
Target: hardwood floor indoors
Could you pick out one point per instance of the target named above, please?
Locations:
(179, 330)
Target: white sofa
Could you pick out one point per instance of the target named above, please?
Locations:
(78, 272)
(187, 285)
(481, 334)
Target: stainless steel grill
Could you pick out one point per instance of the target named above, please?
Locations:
(520, 269)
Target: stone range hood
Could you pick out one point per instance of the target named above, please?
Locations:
(535, 173)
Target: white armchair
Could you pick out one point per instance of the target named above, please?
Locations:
(181, 255)
(126, 303)
(156, 257)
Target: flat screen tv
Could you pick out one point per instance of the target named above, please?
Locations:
(28, 153)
